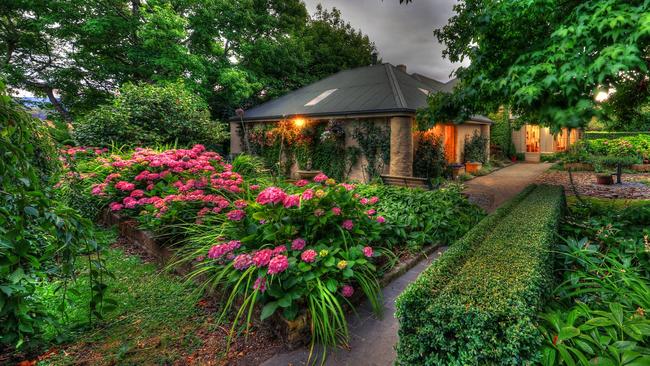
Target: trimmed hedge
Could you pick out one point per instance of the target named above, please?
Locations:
(610, 135)
(476, 305)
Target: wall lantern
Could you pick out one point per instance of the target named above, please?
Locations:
(299, 122)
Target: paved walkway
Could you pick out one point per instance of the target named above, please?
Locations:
(492, 190)
(372, 340)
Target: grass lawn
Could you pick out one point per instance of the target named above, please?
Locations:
(156, 315)
(159, 320)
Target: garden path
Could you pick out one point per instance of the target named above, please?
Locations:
(372, 340)
(492, 190)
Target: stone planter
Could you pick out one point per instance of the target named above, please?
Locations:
(307, 174)
(457, 170)
(641, 167)
(295, 333)
(473, 167)
(605, 179)
(578, 166)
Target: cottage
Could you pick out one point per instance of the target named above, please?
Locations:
(534, 140)
(384, 95)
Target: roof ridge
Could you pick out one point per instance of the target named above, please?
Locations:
(394, 85)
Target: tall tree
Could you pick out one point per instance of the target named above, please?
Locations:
(233, 53)
(546, 59)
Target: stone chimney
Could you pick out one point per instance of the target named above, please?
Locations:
(401, 67)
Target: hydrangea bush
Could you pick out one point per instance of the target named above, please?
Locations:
(302, 250)
(296, 250)
(164, 188)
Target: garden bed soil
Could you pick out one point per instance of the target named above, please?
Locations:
(635, 186)
(641, 167)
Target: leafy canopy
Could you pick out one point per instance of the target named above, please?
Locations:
(232, 53)
(546, 59)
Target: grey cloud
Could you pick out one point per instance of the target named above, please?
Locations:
(403, 33)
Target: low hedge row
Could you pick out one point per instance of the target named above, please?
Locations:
(592, 135)
(476, 305)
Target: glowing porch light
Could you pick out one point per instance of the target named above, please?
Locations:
(299, 122)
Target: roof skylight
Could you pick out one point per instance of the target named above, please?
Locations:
(320, 97)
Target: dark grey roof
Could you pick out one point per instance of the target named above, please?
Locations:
(447, 87)
(365, 90)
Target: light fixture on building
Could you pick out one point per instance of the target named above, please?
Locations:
(299, 122)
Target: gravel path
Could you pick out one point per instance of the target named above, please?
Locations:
(492, 190)
(634, 186)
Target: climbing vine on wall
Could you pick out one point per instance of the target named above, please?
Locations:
(318, 146)
(374, 141)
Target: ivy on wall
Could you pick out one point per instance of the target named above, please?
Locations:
(501, 135)
(374, 142)
(318, 146)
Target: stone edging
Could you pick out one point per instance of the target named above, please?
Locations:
(403, 267)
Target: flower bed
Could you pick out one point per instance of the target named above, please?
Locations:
(476, 304)
(299, 252)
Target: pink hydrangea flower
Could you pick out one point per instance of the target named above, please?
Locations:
(371, 212)
(298, 244)
(115, 206)
(279, 249)
(98, 189)
(347, 291)
(348, 225)
(278, 264)
(320, 177)
(308, 256)
(137, 193)
(262, 257)
(374, 199)
(240, 203)
(260, 284)
(368, 252)
(129, 202)
(307, 194)
(254, 187)
(236, 215)
(242, 261)
(292, 200)
(381, 219)
(364, 201)
(272, 195)
(222, 249)
(301, 183)
(348, 187)
(150, 186)
(336, 211)
(124, 186)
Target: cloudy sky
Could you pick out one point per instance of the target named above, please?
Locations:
(403, 33)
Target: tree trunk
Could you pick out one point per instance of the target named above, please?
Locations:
(57, 104)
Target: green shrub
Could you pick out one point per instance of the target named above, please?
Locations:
(147, 115)
(417, 218)
(591, 135)
(430, 160)
(475, 148)
(476, 305)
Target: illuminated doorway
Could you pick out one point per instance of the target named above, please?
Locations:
(532, 138)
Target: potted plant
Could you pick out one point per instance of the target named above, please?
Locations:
(472, 167)
(457, 170)
(605, 179)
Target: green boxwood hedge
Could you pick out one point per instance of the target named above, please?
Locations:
(476, 305)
